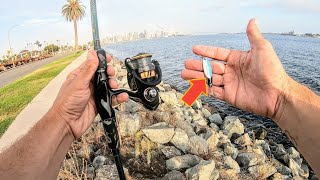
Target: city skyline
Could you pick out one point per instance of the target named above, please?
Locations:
(28, 23)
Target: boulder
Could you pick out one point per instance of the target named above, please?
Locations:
(228, 174)
(296, 169)
(129, 124)
(279, 151)
(243, 140)
(213, 141)
(214, 126)
(170, 98)
(248, 159)
(107, 172)
(160, 133)
(181, 140)
(130, 107)
(261, 134)
(167, 87)
(216, 119)
(293, 153)
(206, 113)
(230, 150)
(262, 171)
(233, 125)
(230, 163)
(199, 146)
(182, 162)
(98, 161)
(204, 170)
(174, 175)
(170, 151)
(186, 126)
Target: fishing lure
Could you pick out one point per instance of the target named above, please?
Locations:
(207, 71)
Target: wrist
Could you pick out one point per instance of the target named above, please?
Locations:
(55, 116)
(286, 97)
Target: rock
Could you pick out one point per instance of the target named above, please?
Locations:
(186, 126)
(296, 170)
(258, 150)
(197, 105)
(170, 151)
(314, 177)
(293, 153)
(181, 162)
(214, 126)
(181, 140)
(248, 159)
(206, 113)
(129, 124)
(107, 172)
(284, 170)
(261, 134)
(262, 171)
(86, 152)
(213, 141)
(174, 175)
(279, 151)
(160, 133)
(231, 164)
(99, 161)
(223, 138)
(278, 176)
(243, 140)
(216, 119)
(170, 98)
(90, 173)
(233, 125)
(230, 150)
(199, 120)
(167, 87)
(199, 146)
(228, 174)
(130, 107)
(161, 89)
(265, 146)
(204, 170)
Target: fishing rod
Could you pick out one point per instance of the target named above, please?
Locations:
(143, 76)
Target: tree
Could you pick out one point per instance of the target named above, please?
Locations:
(74, 11)
(38, 44)
(51, 48)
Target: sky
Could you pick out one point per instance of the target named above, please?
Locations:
(32, 20)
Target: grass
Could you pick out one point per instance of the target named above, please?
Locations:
(17, 95)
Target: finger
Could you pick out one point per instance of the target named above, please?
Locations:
(196, 65)
(113, 84)
(74, 74)
(217, 80)
(218, 92)
(89, 68)
(254, 35)
(217, 53)
(109, 58)
(111, 71)
(121, 98)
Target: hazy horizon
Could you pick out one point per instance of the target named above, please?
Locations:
(42, 20)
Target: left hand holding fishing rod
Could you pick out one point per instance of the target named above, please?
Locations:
(75, 102)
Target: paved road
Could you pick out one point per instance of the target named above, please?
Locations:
(9, 76)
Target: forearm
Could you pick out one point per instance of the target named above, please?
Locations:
(299, 118)
(39, 154)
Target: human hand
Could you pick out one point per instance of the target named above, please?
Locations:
(254, 81)
(75, 102)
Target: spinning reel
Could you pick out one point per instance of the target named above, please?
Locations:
(143, 76)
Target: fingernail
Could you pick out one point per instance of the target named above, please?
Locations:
(256, 22)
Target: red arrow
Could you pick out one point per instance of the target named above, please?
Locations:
(198, 87)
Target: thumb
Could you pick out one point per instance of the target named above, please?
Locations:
(254, 35)
(89, 68)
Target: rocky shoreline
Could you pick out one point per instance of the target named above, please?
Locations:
(178, 142)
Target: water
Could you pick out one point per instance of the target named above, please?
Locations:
(299, 55)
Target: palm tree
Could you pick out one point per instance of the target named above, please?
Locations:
(74, 11)
(38, 44)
